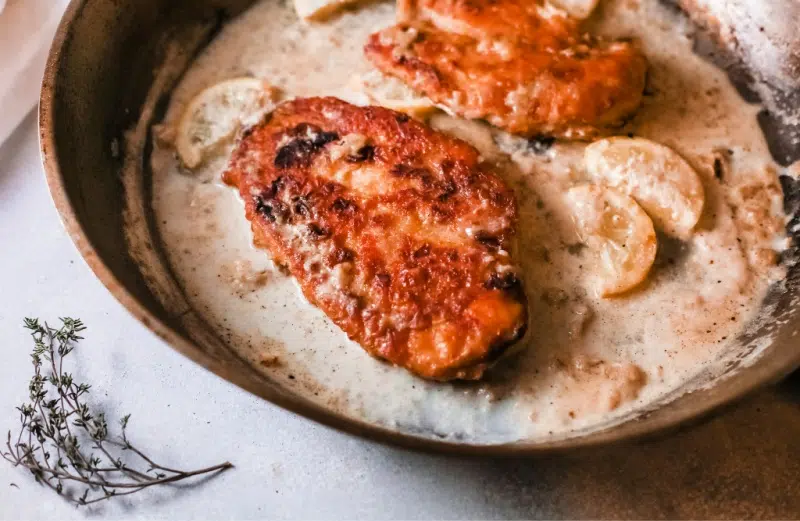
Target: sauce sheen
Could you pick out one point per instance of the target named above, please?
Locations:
(587, 360)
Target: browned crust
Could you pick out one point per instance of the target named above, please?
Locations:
(505, 62)
(390, 264)
(575, 93)
(506, 19)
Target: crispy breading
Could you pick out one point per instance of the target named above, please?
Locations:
(511, 63)
(397, 232)
(532, 21)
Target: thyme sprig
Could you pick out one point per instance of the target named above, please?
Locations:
(65, 444)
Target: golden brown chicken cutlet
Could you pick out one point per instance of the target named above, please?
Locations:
(397, 232)
(506, 62)
(513, 20)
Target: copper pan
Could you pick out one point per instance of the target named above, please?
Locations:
(102, 65)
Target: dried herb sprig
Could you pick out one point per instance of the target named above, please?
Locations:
(57, 425)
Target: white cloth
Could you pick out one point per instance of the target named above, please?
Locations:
(26, 30)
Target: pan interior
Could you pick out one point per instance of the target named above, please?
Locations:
(102, 100)
(213, 274)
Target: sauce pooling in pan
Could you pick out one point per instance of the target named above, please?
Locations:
(591, 358)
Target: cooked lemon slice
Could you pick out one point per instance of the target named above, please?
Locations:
(613, 226)
(576, 8)
(660, 180)
(215, 115)
(392, 93)
(319, 10)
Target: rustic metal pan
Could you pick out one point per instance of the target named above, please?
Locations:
(103, 75)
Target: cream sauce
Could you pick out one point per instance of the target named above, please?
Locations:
(588, 360)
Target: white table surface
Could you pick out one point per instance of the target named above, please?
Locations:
(745, 463)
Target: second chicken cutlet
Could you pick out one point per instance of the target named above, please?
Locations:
(400, 234)
(513, 63)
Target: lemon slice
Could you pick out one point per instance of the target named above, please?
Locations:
(392, 93)
(214, 116)
(320, 10)
(613, 226)
(580, 9)
(660, 180)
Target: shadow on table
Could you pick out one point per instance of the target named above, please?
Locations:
(743, 464)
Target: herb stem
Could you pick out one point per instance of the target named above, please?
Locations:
(102, 475)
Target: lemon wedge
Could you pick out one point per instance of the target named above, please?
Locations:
(320, 10)
(660, 180)
(392, 93)
(616, 229)
(217, 113)
(580, 9)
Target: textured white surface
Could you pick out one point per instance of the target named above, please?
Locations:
(744, 464)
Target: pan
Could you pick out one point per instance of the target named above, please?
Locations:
(109, 76)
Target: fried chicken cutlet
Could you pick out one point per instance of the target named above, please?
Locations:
(397, 232)
(512, 63)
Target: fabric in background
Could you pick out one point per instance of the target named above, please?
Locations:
(26, 31)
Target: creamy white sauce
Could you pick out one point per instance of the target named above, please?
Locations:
(588, 361)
